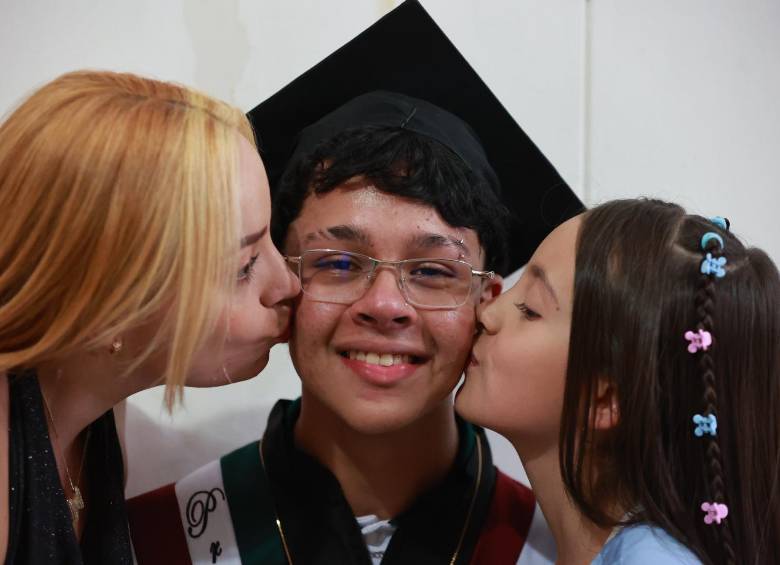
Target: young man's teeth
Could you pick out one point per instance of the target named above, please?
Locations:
(384, 359)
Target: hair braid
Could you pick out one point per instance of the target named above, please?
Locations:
(705, 305)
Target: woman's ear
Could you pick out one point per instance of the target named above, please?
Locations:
(491, 288)
(605, 410)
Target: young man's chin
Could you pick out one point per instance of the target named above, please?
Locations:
(388, 416)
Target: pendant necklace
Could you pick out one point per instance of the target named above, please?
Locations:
(477, 483)
(75, 501)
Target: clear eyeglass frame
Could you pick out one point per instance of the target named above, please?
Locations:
(401, 267)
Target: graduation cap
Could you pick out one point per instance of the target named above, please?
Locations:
(406, 53)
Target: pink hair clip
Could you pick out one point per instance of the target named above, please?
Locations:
(700, 339)
(715, 512)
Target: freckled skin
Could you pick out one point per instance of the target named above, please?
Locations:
(382, 315)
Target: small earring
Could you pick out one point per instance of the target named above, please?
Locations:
(116, 346)
(227, 376)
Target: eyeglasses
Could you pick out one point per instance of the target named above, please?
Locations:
(342, 277)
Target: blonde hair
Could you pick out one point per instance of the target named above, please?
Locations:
(119, 197)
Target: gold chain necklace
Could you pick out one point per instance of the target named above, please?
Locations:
(463, 531)
(75, 501)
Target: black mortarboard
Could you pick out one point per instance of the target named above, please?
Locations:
(406, 52)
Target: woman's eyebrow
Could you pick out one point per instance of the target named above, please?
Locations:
(252, 238)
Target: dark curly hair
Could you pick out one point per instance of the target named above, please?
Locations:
(405, 164)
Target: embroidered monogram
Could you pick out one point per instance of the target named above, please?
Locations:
(216, 551)
(199, 506)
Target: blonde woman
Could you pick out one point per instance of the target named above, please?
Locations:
(134, 251)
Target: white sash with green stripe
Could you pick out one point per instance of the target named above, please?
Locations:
(205, 517)
(227, 513)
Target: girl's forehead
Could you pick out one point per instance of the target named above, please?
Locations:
(553, 262)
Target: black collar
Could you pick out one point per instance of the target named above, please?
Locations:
(318, 522)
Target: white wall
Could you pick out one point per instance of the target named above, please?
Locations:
(669, 98)
(685, 104)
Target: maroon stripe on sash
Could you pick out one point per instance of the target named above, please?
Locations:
(156, 530)
(506, 528)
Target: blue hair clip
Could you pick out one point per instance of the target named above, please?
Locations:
(705, 425)
(713, 266)
(721, 222)
(711, 235)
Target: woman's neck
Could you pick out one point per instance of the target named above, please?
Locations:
(80, 388)
(578, 540)
(380, 474)
(76, 391)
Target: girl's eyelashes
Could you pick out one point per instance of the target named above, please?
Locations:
(246, 272)
(527, 313)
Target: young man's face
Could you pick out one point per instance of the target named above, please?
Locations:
(329, 340)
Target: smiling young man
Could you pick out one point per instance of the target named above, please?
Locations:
(390, 209)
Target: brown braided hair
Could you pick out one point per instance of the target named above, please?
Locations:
(705, 307)
(638, 289)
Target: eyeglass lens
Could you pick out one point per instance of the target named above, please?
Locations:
(341, 277)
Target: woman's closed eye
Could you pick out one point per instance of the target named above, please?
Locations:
(246, 272)
(527, 313)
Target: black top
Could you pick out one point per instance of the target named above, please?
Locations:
(40, 527)
(318, 522)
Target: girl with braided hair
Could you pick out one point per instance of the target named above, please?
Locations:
(635, 367)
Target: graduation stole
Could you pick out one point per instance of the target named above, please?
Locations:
(226, 514)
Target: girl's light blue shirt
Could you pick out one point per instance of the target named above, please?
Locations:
(641, 544)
